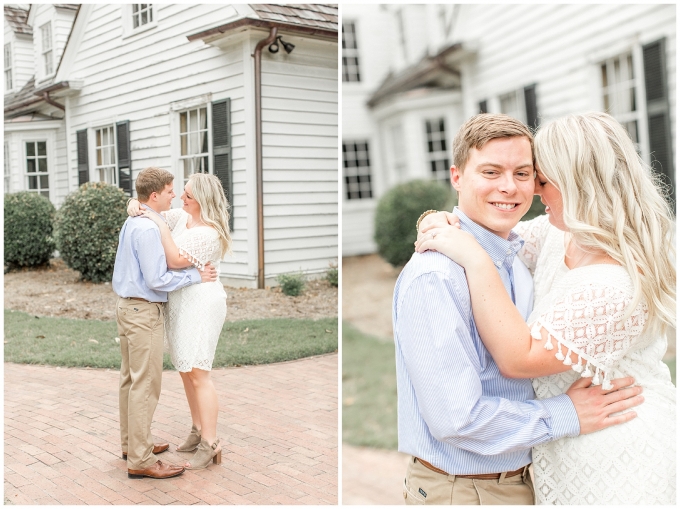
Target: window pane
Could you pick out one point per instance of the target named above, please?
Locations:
(42, 148)
(183, 144)
(30, 149)
(135, 20)
(99, 157)
(150, 13)
(42, 165)
(33, 182)
(183, 122)
(204, 118)
(144, 21)
(46, 194)
(30, 165)
(193, 145)
(43, 182)
(603, 68)
(193, 120)
(135, 8)
(187, 168)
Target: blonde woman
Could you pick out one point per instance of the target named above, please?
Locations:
(604, 297)
(194, 235)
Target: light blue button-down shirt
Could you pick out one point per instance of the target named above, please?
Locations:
(141, 269)
(455, 409)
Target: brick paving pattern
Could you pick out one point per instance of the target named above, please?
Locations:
(278, 424)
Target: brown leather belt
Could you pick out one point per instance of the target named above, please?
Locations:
(143, 300)
(475, 476)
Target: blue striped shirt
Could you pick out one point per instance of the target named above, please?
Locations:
(455, 409)
(141, 269)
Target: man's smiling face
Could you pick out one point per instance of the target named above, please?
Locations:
(496, 187)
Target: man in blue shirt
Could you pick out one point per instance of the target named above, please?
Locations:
(142, 281)
(469, 429)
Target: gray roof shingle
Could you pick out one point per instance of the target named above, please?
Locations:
(17, 17)
(310, 15)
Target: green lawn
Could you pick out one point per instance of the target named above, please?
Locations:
(369, 390)
(69, 342)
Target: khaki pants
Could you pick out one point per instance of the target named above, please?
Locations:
(141, 328)
(424, 486)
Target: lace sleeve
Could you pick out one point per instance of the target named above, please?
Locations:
(589, 323)
(199, 247)
(533, 232)
(172, 216)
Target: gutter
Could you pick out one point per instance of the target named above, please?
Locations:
(318, 33)
(258, 153)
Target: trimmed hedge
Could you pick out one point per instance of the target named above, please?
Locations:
(87, 228)
(397, 213)
(28, 229)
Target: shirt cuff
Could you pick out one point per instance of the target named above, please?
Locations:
(195, 277)
(563, 416)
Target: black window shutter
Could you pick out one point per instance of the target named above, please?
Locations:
(483, 107)
(221, 129)
(658, 113)
(83, 163)
(124, 159)
(531, 106)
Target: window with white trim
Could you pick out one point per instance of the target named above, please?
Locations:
(357, 170)
(8, 66)
(618, 93)
(350, 53)
(512, 104)
(142, 14)
(37, 177)
(46, 36)
(8, 171)
(437, 153)
(105, 155)
(194, 143)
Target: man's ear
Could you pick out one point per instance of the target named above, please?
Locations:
(153, 197)
(456, 174)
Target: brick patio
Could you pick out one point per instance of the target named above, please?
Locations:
(278, 424)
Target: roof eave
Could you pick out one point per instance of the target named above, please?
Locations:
(313, 32)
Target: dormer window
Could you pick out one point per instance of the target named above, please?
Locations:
(8, 66)
(46, 36)
(141, 15)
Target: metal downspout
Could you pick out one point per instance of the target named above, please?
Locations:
(48, 100)
(258, 153)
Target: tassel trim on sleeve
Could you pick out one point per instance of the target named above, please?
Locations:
(601, 375)
(198, 263)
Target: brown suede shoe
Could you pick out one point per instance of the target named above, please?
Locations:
(157, 449)
(158, 470)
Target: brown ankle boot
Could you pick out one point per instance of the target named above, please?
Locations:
(204, 454)
(192, 441)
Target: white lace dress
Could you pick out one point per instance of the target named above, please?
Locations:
(195, 314)
(582, 311)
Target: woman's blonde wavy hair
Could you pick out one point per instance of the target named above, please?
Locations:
(208, 192)
(613, 202)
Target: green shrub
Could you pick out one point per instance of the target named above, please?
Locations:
(87, 228)
(291, 284)
(332, 275)
(397, 213)
(28, 229)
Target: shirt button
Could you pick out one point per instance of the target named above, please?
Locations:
(509, 251)
(498, 264)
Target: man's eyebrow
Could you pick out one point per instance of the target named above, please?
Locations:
(495, 165)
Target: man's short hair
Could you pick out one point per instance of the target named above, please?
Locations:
(482, 128)
(152, 180)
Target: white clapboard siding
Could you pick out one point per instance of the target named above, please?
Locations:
(59, 179)
(161, 67)
(23, 67)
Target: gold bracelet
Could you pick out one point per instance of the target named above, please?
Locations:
(422, 216)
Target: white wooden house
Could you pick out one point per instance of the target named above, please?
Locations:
(412, 74)
(100, 92)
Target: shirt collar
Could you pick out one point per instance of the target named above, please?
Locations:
(144, 205)
(501, 251)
